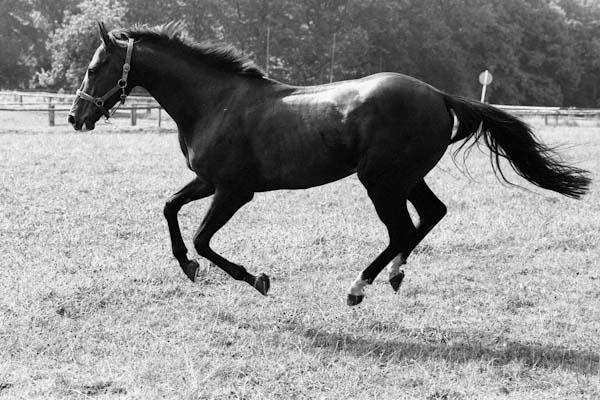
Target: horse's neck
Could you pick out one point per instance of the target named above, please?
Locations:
(185, 91)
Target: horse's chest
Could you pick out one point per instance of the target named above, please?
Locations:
(216, 155)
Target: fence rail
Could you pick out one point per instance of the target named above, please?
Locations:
(60, 102)
(57, 102)
(60, 97)
(552, 115)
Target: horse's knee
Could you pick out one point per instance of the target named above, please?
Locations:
(170, 209)
(201, 244)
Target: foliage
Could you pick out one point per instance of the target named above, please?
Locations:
(19, 38)
(72, 44)
(543, 52)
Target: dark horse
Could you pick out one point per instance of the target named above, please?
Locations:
(242, 133)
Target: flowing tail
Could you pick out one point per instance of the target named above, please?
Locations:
(510, 138)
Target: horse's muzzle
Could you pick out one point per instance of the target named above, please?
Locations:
(74, 123)
(84, 125)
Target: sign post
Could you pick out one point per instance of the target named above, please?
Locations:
(485, 78)
(268, 51)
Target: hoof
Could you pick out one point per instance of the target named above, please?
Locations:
(190, 269)
(354, 299)
(262, 284)
(397, 281)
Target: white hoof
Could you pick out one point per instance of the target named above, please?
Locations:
(358, 287)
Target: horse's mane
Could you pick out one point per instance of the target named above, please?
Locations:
(221, 56)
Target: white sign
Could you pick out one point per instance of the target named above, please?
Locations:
(485, 78)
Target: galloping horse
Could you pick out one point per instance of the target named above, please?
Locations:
(241, 133)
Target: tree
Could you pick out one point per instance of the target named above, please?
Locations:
(19, 34)
(583, 20)
(72, 45)
(540, 51)
(203, 18)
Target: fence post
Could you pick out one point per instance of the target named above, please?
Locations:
(51, 114)
(159, 116)
(133, 115)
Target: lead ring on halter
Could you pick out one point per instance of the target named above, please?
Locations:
(121, 85)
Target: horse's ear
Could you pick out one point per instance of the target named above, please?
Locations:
(104, 35)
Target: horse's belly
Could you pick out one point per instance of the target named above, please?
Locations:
(304, 179)
(296, 170)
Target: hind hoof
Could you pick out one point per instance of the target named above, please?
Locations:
(354, 300)
(190, 269)
(396, 281)
(262, 284)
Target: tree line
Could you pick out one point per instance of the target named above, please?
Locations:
(541, 52)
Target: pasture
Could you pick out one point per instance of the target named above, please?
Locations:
(501, 300)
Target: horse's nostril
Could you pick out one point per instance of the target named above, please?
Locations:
(71, 119)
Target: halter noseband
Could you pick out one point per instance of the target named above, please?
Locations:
(121, 85)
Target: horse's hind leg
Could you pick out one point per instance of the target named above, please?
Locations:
(431, 210)
(194, 190)
(391, 207)
(225, 204)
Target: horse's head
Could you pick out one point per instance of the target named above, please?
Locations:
(105, 82)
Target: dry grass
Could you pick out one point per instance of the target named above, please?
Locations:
(502, 299)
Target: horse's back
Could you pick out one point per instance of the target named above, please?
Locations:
(378, 101)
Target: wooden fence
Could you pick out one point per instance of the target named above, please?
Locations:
(552, 115)
(59, 102)
(52, 103)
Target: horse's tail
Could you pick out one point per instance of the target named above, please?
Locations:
(510, 138)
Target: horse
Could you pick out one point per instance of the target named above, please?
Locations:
(242, 133)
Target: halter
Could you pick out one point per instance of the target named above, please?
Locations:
(121, 85)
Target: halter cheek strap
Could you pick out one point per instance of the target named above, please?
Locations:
(121, 85)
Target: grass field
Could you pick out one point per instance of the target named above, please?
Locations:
(501, 301)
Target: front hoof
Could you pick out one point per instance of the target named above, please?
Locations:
(262, 284)
(396, 281)
(354, 299)
(190, 269)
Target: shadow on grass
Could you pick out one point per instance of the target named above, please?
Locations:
(455, 347)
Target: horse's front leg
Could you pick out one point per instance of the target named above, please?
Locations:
(225, 203)
(194, 190)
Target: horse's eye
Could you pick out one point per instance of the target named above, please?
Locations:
(91, 71)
